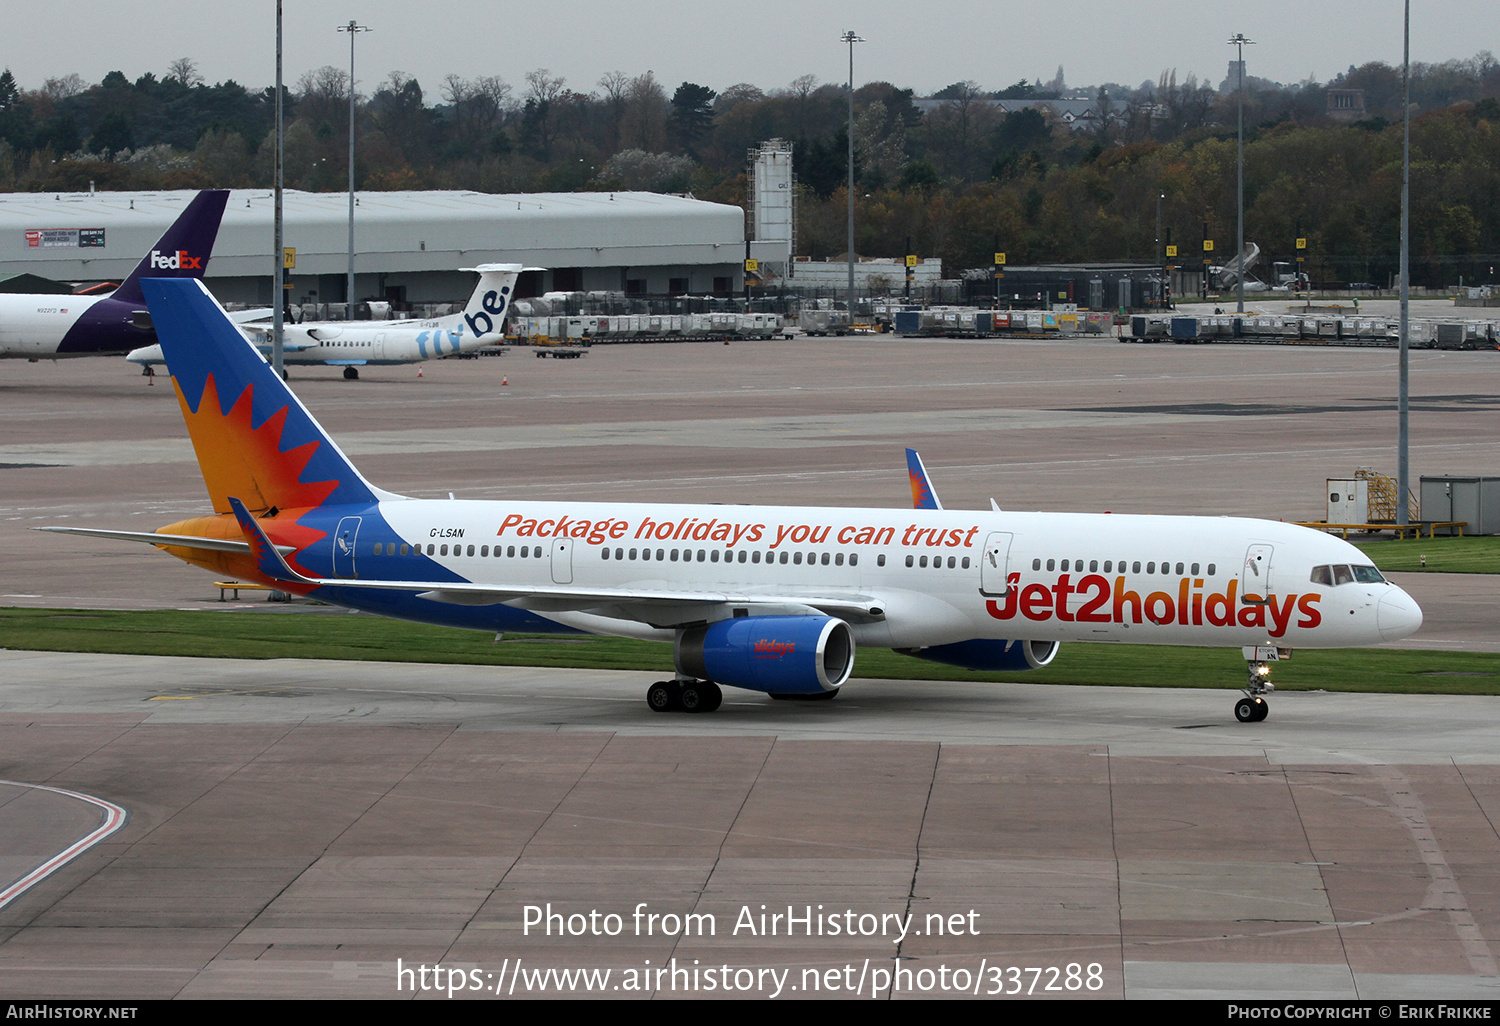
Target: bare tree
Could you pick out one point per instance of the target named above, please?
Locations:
(185, 70)
(616, 86)
(646, 114)
(61, 88)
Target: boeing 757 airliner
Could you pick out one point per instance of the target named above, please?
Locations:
(774, 599)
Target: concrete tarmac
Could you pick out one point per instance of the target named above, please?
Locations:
(310, 829)
(296, 828)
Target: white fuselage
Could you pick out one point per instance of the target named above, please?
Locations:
(33, 326)
(936, 577)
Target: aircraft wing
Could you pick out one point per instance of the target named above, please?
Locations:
(654, 606)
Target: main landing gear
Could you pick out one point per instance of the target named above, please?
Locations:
(351, 373)
(1253, 707)
(688, 695)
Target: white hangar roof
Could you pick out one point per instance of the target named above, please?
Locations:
(394, 231)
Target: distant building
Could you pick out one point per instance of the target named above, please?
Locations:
(410, 246)
(1346, 104)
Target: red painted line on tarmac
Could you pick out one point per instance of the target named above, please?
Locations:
(114, 819)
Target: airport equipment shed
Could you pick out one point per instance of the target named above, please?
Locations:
(409, 246)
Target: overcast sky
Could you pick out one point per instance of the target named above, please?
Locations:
(717, 43)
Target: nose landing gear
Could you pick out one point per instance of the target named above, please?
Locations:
(1253, 707)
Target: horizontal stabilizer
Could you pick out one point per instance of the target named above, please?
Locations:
(180, 541)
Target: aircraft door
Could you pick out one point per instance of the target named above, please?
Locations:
(1255, 576)
(345, 539)
(994, 564)
(562, 560)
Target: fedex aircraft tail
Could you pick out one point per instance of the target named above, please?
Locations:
(254, 439)
(184, 250)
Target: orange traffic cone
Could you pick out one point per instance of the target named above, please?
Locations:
(419, 370)
(505, 381)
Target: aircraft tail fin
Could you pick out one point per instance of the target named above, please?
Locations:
(183, 251)
(485, 313)
(923, 496)
(254, 439)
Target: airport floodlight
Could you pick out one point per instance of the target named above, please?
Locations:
(353, 28)
(851, 38)
(1239, 41)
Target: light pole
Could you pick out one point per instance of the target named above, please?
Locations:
(1238, 40)
(278, 301)
(353, 29)
(850, 38)
(1403, 478)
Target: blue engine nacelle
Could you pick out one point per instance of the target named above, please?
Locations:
(987, 654)
(780, 655)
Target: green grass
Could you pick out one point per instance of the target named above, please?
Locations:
(1444, 555)
(304, 633)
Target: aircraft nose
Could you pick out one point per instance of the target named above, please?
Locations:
(1398, 615)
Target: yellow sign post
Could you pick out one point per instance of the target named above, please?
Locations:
(288, 258)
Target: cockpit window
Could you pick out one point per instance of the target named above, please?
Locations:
(1322, 575)
(1367, 575)
(1341, 575)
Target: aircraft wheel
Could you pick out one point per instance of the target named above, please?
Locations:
(662, 696)
(1265, 710)
(690, 697)
(351, 373)
(1250, 710)
(713, 697)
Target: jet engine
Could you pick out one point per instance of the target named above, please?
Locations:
(780, 655)
(992, 655)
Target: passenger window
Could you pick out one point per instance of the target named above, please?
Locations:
(1195, 569)
(755, 556)
(879, 560)
(405, 551)
(1036, 564)
(838, 559)
(661, 554)
(619, 553)
(713, 556)
(604, 553)
(1093, 566)
(1341, 575)
(1179, 569)
(784, 557)
(1211, 569)
(952, 562)
(431, 548)
(966, 563)
(443, 551)
(742, 555)
(1322, 575)
(825, 559)
(703, 556)
(854, 559)
(471, 551)
(1150, 568)
(1051, 565)
(510, 553)
(922, 562)
(909, 560)
(484, 550)
(1108, 565)
(1135, 567)
(796, 558)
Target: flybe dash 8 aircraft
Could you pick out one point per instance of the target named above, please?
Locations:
(42, 327)
(355, 344)
(774, 599)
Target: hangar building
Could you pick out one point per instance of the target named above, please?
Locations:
(409, 246)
